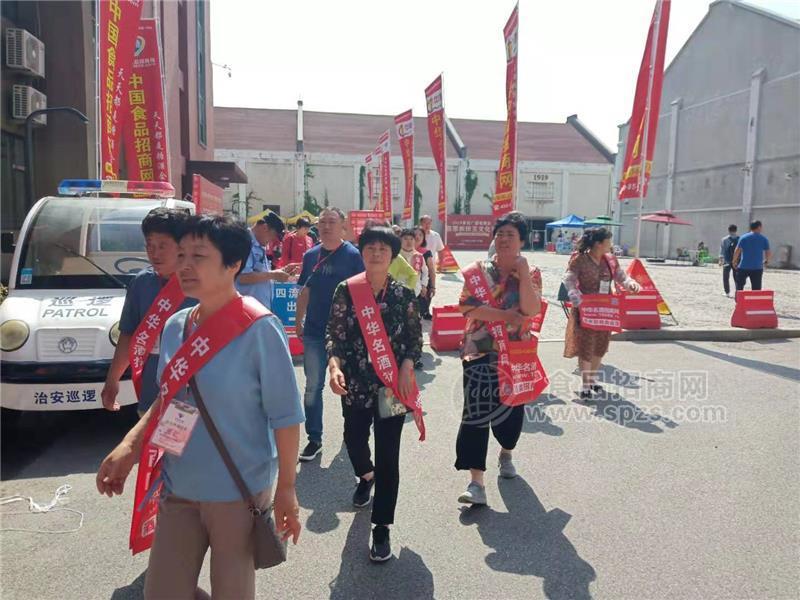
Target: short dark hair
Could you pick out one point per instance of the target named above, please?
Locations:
(755, 225)
(383, 235)
(408, 231)
(169, 221)
(272, 221)
(302, 222)
(592, 236)
(230, 237)
(517, 220)
(732, 228)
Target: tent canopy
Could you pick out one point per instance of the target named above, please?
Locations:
(570, 221)
(603, 221)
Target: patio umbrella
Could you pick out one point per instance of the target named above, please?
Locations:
(666, 218)
(603, 221)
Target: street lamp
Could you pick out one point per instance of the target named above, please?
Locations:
(29, 143)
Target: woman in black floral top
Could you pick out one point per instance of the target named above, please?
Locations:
(353, 378)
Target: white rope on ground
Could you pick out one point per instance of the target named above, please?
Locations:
(35, 508)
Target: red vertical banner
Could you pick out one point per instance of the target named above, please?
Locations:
(404, 125)
(117, 26)
(435, 104)
(207, 197)
(507, 173)
(642, 127)
(384, 148)
(143, 127)
(368, 164)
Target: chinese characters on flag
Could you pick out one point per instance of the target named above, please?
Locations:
(118, 22)
(506, 174)
(404, 125)
(384, 149)
(144, 130)
(643, 125)
(433, 100)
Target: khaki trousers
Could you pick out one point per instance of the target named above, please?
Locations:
(184, 532)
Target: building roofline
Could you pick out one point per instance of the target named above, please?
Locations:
(590, 137)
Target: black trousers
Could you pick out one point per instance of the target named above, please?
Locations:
(755, 276)
(726, 276)
(424, 305)
(483, 411)
(357, 423)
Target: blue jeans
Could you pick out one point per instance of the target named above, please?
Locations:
(315, 362)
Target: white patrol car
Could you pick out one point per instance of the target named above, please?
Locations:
(60, 322)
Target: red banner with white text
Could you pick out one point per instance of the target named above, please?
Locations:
(384, 148)
(118, 24)
(404, 124)
(436, 136)
(643, 125)
(368, 165)
(507, 173)
(143, 127)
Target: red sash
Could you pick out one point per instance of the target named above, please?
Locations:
(215, 333)
(520, 372)
(611, 262)
(147, 333)
(380, 350)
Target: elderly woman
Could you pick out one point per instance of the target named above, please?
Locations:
(255, 414)
(354, 375)
(591, 270)
(513, 295)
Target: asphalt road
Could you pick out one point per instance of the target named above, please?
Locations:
(683, 483)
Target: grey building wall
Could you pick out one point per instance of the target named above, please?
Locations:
(736, 80)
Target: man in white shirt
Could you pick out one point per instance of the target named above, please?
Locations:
(433, 241)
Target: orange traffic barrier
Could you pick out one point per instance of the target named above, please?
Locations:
(755, 310)
(447, 328)
(640, 311)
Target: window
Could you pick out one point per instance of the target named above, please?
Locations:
(200, 11)
(15, 205)
(395, 187)
(543, 191)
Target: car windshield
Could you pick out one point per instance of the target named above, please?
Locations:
(67, 235)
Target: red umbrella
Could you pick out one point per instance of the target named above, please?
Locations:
(666, 218)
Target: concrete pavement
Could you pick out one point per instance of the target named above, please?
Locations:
(640, 495)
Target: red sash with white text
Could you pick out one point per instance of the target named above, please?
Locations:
(379, 348)
(215, 333)
(147, 333)
(520, 372)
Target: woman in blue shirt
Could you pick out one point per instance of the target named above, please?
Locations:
(251, 394)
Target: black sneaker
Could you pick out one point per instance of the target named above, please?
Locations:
(381, 549)
(310, 452)
(418, 365)
(584, 397)
(361, 495)
(598, 389)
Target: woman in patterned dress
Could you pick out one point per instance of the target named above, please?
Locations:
(591, 270)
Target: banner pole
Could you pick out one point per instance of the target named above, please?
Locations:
(651, 72)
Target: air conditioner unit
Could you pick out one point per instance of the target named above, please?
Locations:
(24, 52)
(25, 100)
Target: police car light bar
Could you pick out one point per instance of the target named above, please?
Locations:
(79, 187)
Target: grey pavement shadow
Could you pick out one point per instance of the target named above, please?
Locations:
(405, 576)
(790, 317)
(75, 441)
(530, 540)
(616, 409)
(132, 591)
(325, 491)
(614, 376)
(455, 277)
(426, 375)
(790, 373)
(537, 420)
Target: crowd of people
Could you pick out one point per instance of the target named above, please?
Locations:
(219, 380)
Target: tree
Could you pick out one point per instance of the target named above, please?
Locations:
(236, 203)
(417, 199)
(362, 174)
(470, 184)
(309, 202)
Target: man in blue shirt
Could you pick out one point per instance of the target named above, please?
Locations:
(751, 256)
(162, 228)
(257, 275)
(726, 249)
(324, 267)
